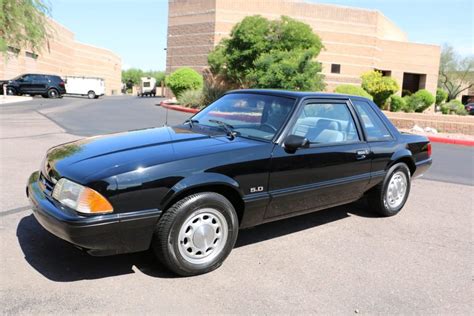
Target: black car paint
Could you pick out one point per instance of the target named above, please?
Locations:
(36, 84)
(144, 172)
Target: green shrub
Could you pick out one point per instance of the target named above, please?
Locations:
(419, 101)
(426, 100)
(191, 99)
(214, 87)
(406, 92)
(453, 107)
(397, 103)
(352, 90)
(211, 93)
(441, 96)
(184, 79)
(378, 86)
(409, 106)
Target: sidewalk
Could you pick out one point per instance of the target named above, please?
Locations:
(8, 99)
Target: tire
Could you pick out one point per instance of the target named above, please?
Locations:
(91, 94)
(389, 197)
(53, 93)
(198, 224)
(11, 91)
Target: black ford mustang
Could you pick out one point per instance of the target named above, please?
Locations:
(251, 157)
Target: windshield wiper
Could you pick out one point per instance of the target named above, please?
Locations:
(229, 129)
(191, 122)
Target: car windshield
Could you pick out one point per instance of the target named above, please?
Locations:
(248, 115)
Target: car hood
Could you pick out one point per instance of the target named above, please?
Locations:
(95, 158)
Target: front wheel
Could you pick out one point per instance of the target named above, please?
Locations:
(389, 197)
(196, 234)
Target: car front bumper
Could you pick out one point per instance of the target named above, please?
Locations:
(99, 235)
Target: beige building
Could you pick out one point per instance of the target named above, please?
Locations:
(64, 56)
(355, 40)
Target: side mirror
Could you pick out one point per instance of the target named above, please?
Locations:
(293, 142)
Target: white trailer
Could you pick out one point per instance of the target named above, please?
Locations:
(91, 87)
(147, 87)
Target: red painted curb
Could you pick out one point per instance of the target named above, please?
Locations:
(433, 139)
(177, 107)
(454, 141)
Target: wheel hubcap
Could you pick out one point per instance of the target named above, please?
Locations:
(396, 190)
(203, 236)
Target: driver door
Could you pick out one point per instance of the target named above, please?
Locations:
(333, 170)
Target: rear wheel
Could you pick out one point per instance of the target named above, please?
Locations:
(53, 93)
(91, 94)
(196, 234)
(389, 197)
(11, 91)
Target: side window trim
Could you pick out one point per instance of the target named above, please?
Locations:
(362, 126)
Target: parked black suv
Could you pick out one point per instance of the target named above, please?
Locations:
(49, 86)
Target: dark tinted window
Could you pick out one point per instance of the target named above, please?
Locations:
(374, 127)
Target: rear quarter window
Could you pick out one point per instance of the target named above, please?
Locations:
(374, 127)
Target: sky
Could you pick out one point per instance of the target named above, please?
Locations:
(136, 29)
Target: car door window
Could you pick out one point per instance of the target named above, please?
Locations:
(374, 127)
(326, 123)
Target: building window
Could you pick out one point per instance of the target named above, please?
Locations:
(412, 83)
(31, 55)
(13, 50)
(385, 73)
(335, 68)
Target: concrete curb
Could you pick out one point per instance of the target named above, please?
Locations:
(453, 141)
(433, 139)
(176, 107)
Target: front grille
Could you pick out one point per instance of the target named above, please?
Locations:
(46, 184)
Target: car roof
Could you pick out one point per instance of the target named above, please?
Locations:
(36, 74)
(297, 94)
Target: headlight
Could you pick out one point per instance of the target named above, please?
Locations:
(80, 198)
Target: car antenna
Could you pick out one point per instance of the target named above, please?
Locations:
(166, 117)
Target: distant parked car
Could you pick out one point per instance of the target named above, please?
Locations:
(48, 86)
(91, 87)
(470, 108)
(147, 87)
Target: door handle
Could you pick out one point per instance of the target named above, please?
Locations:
(362, 154)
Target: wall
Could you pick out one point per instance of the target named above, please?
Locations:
(359, 40)
(64, 56)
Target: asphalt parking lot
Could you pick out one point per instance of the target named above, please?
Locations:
(342, 260)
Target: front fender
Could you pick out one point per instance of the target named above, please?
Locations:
(199, 180)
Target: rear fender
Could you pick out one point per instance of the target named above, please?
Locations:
(403, 155)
